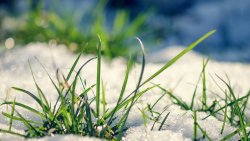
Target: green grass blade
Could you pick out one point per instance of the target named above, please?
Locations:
(125, 81)
(98, 80)
(230, 135)
(204, 86)
(244, 106)
(28, 125)
(237, 108)
(225, 116)
(204, 133)
(172, 61)
(196, 86)
(30, 94)
(24, 106)
(54, 84)
(12, 113)
(125, 103)
(103, 100)
(11, 132)
(88, 117)
(157, 119)
(177, 100)
(229, 104)
(78, 73)
(158, 98)
(177, 57)
(87, 90)
(136, 90)
(144, 116)
(195, 126)
(18, 119)
(73, 66)
(164, 120)
(73, 99)
(37, 86)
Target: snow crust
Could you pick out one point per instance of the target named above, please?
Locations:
(180, 79)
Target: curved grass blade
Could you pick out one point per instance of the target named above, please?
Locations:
(54, 84)
(37, 86)
(164, 120)
(30, 94)
(136, 90)
(25, 107)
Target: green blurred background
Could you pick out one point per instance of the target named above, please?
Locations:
(77, 25)
(158, 23)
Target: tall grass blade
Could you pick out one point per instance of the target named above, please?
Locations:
(225, 116)
(196, 86)
(98, 79)
(103, 100)
(136, 90)
(195, 126)
(73, 66)
(37, 86)
(204, 86)
(12, 114)
(177, 57)
(125, 81)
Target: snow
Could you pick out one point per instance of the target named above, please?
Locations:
(180, 78)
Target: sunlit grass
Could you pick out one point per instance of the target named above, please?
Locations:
(233, 110)
(88, 116)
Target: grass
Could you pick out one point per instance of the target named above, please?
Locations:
(81, 113)
(87, 115)
(77, 28)
(232, 111)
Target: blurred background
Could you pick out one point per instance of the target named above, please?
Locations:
(159, 23)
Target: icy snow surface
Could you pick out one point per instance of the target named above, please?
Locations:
(180, 78)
